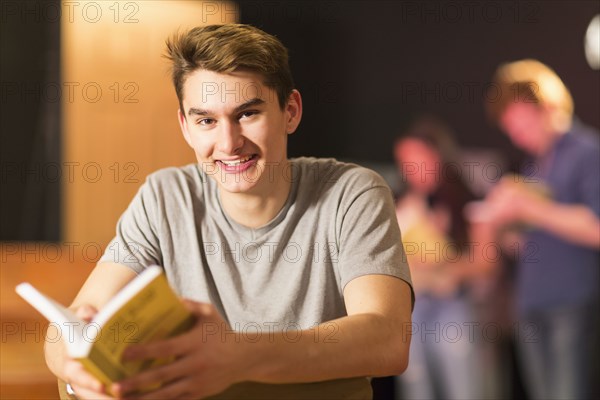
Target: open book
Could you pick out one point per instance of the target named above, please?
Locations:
(145, 309)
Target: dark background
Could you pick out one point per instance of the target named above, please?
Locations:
(364, 68)
(29, 126)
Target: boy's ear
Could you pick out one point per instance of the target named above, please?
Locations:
(184, 127)
(293, 110)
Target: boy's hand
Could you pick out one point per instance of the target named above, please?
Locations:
(85, 385)
(208, 359)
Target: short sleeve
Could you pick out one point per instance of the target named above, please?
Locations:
(135, 244)
(370, 241)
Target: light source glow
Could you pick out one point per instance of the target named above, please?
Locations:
(592, 43)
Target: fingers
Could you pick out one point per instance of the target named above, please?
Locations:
(86, 312)
(76, 375)
(164, 374)
(83, 393)
(199, 309)
(175, 346)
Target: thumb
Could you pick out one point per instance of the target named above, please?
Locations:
(86, 312)
(199, 309)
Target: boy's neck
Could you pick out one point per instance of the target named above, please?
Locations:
(256, 210)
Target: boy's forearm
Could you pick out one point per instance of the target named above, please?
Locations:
(54, 352)
(358, 345)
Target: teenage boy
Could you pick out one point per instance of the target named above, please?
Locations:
(294, 268)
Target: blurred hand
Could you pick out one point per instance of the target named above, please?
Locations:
(509, 202)
(85, 385)
(208, 359)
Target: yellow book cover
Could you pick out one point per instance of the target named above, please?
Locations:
(146, 309)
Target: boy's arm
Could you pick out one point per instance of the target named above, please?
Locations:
(102, 284)
(373, 340)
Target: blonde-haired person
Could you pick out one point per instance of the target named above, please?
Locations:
(293, 267)
(555, 205)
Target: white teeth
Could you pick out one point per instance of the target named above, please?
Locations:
(236, 162)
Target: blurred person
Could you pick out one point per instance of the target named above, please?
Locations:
(430, 210)
(554, 206)
(331, 276)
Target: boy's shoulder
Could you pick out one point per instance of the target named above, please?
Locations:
(329, 171)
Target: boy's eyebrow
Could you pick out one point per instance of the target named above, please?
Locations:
(250, 103)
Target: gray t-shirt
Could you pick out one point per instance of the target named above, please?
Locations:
(338, 223)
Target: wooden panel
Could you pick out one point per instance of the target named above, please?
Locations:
(57, 270)
(29, 391)
(119, 106)
(124, 131)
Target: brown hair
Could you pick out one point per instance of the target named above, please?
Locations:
(529, 81)
(227, 48)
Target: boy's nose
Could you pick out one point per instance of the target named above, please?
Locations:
(230, 139)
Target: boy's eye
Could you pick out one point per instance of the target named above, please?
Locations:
(248, 114)
(205, 121)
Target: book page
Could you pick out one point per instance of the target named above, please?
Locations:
(153, 313)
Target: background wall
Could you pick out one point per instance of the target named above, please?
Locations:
(366, 67)
(121, 124)
(29, 121)
(87, 111)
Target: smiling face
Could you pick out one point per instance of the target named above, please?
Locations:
(238, 130)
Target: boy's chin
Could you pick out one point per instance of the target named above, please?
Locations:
(237, 187)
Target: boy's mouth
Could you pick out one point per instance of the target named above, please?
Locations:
(239, 164)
